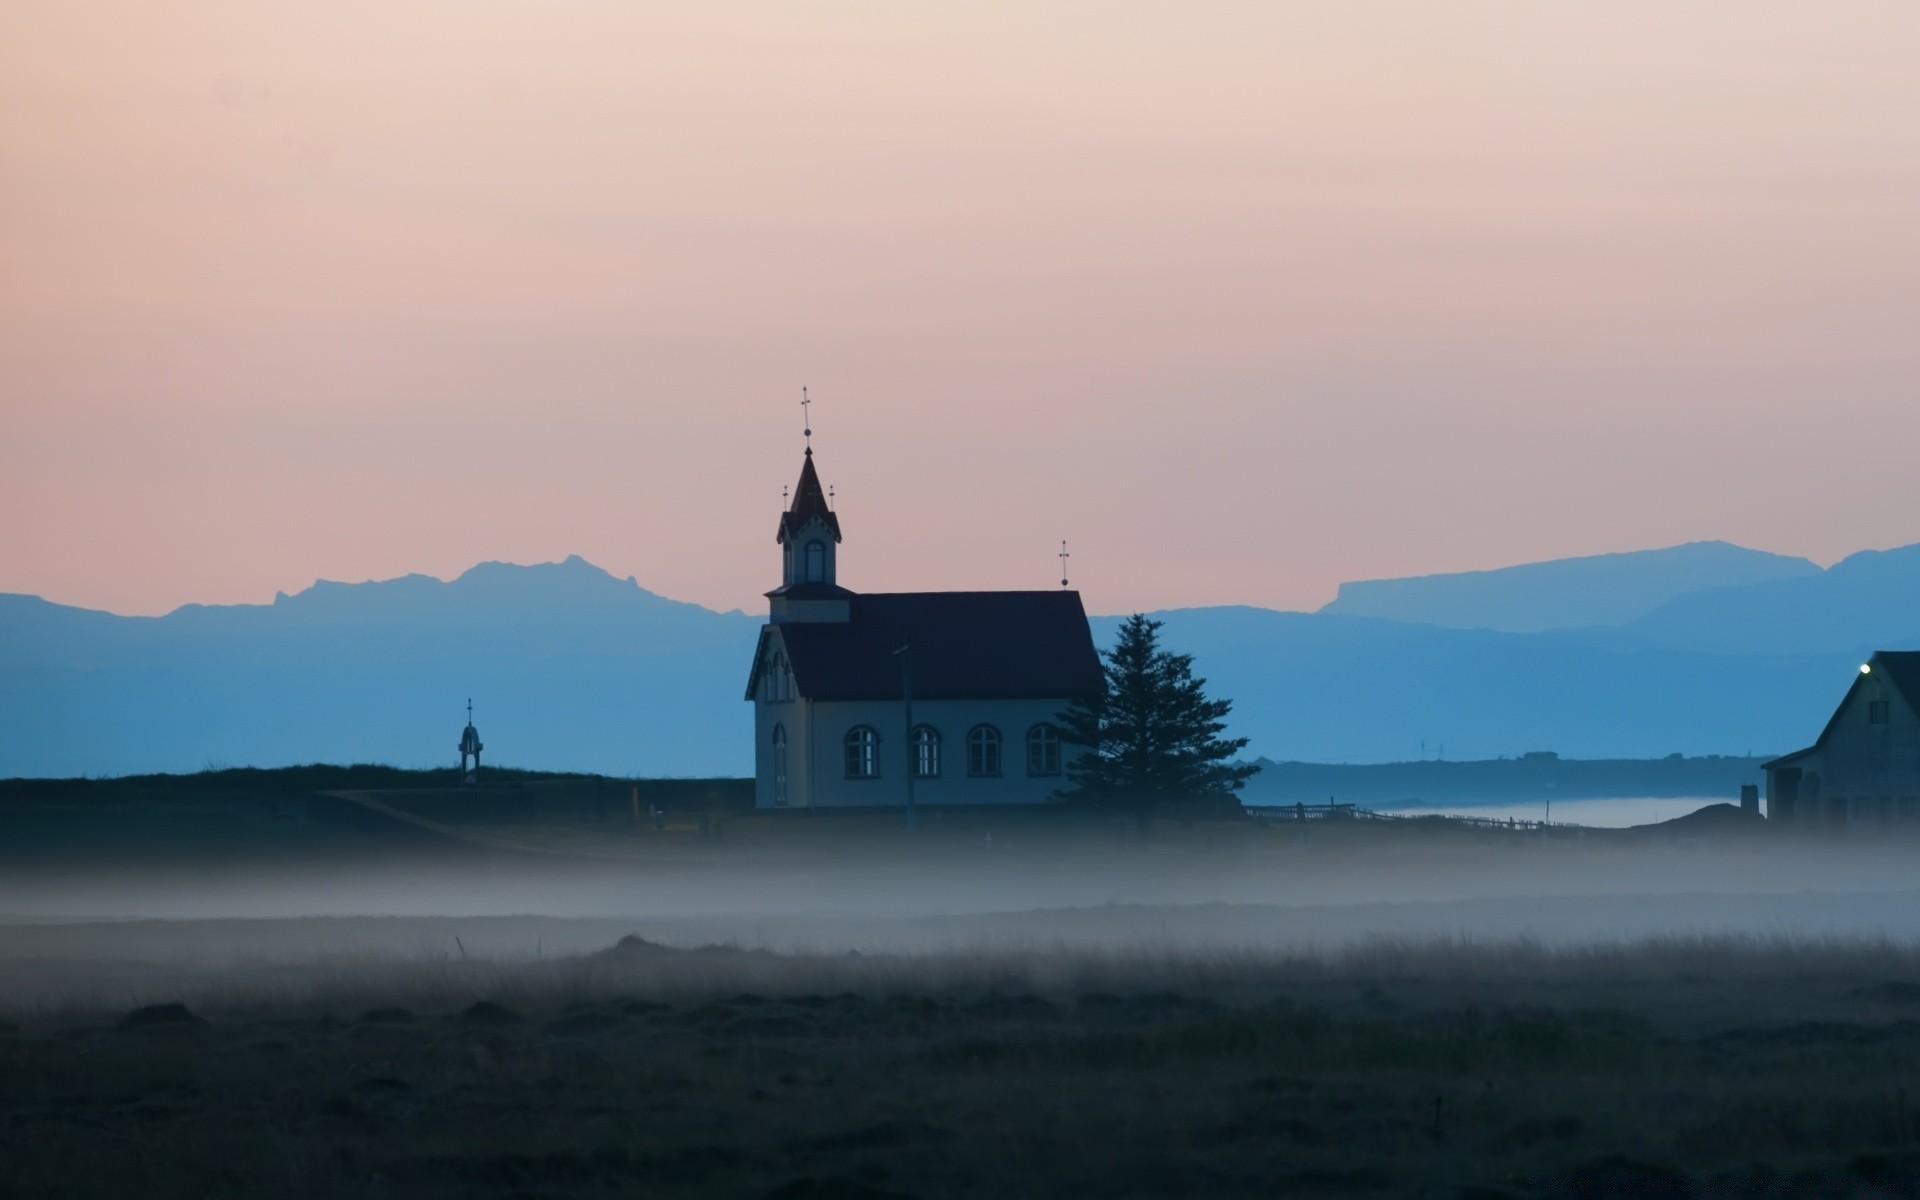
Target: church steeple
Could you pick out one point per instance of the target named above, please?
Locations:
(809, 503)
(809, 538)
(809, 532)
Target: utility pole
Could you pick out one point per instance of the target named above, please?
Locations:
(904, 652)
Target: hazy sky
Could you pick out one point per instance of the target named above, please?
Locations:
(1242, 299)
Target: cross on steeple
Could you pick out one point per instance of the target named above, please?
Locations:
(1064, 556)
(806, 419)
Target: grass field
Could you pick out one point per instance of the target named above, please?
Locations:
(1664, 1068)
(249, 994)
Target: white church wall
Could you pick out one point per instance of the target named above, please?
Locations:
(791, 716)
(954, 719)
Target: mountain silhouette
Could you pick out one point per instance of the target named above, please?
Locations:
(1568, 593)
(568, 666)
(572, 668)
(1866, 601)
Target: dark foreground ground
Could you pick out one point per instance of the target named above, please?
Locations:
(220, 988)
(1660, 1069)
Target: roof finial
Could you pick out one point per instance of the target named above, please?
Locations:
(469, 710)
(1064, 556)
(806, 419)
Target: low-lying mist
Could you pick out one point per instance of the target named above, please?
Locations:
(786, 1008)
(1166, 904)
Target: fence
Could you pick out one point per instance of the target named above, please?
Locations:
(1332, 811)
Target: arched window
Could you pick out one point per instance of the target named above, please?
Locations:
(776, 682)
(816, 562)
(1043, 750)
(983, 751)
(787, 574)
(780, 766)
(863, 753)
(926, 752)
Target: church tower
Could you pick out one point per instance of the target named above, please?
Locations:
(809, 540)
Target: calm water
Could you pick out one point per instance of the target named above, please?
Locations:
(1600, 813)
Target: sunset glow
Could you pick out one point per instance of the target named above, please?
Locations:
(1242, 300)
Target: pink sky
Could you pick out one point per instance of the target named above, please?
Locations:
(1242, 299)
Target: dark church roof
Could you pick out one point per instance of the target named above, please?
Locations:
(1901, 666)
(809, 504)
(966, 645)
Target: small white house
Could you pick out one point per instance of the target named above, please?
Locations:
(985, 675)
(1863, 773)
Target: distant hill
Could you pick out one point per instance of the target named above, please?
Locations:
(571, 668)
(1569, 593)
(1867, 601)
(1332, 689)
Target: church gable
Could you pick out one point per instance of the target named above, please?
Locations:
(771, 676)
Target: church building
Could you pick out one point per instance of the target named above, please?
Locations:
(836, 673)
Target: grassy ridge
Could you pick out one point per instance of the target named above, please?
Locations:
(244, 782)
(285, 812)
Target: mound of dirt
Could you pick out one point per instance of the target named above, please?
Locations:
(162, 1016)
(634, 946)
(485, 1012)
(1713, 819)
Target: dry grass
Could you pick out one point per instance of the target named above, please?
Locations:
(1761, 1066)
(1697, 980)
(1064, 1010)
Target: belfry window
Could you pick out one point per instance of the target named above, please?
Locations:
(816, 563)
(983, 751)
(1043, 750)
(863, 753)
(926, 752)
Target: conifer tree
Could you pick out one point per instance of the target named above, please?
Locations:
(1153, 737)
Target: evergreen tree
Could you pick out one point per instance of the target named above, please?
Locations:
(1153, 737)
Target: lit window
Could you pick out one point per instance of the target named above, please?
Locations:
(926, 752)
(816, 563)
(863, 753)
(983, 751)
(780, 765)
(1043, 750)
(1877, 712)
